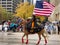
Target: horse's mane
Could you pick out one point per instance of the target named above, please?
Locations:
(23, 21)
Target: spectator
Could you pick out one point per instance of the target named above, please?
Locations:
(5, 26)
(9, 22)
(46, 26)
(58, 27)
(0, 27)
(49, 27)
(55, 28)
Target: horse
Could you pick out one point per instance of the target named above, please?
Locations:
(26, 33)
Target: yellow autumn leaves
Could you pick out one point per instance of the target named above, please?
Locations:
(24, 10)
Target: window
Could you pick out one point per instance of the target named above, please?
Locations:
(3, 2)
(22, 0)
(9, 2)
(48, 1)
(9, 5)
(9, 8)
(3, 5)
(29, 0)
(10, 11)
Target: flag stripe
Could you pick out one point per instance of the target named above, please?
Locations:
(48, 5)
(37, 9)
(43, 12)
(46, 10)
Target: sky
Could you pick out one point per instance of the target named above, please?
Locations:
(34, 1)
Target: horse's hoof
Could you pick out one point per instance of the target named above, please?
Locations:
(45, 44)
(45, 41)
(26, 42)
(37, 44)
(22, 40)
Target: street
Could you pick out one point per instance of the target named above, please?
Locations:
(10, 38)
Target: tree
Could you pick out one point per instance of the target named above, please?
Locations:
(24, 10)
(42, 18)
(4, 14)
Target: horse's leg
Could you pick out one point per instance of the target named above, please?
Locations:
(44, 38)
(23, 39)
(39, 35)
(26, 38)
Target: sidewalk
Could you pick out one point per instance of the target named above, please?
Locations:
(10, 38)
(35, 36)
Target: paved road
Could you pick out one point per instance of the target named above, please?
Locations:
(15, 39)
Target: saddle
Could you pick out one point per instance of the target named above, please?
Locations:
(34, 27)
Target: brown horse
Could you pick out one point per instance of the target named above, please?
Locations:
(26, 33)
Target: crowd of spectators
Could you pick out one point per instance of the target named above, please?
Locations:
(50, 27)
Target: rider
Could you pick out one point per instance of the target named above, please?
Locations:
(35, 22)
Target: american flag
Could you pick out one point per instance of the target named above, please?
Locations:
(43, 8)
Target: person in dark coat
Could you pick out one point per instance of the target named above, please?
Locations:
(58, 27)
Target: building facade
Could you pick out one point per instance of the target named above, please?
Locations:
(56, 13)
(7, 4)
(30, 1)
(10, 5)
(15, 2)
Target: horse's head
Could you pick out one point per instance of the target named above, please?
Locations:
(23, 22)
